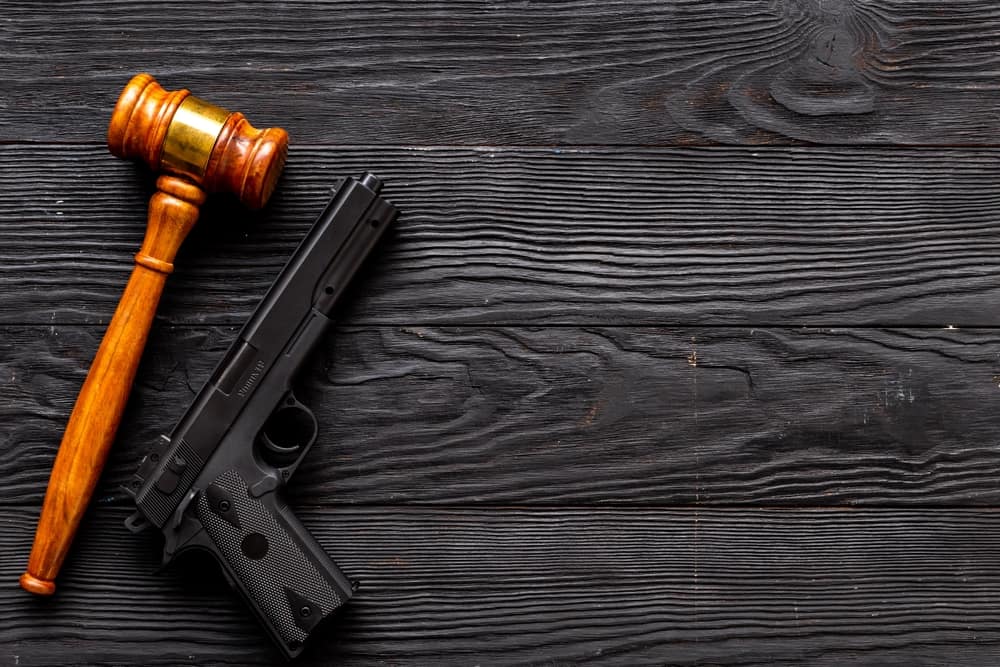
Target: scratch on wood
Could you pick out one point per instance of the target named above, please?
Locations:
(693, 362)
(395, 561)
(592, 413)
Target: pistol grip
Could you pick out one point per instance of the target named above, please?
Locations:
(272, 560)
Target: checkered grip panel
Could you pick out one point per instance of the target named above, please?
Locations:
(276, 576)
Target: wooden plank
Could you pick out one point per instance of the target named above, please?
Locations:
(639, 416)
(816, 237)
(563, 586)
(646, 72)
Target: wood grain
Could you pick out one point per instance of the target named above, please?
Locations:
(817, 237)
(638, 72)
(612, 393)
(560, 586)
(581, 415)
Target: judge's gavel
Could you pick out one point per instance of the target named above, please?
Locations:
(198, 148)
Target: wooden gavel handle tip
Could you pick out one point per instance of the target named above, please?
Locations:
(33, 584)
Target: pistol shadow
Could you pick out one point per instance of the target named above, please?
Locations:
(197, 571)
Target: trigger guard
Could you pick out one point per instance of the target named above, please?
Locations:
(288, 432)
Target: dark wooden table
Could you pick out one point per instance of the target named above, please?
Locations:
(684, 350)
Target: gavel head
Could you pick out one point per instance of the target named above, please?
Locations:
(175, 132)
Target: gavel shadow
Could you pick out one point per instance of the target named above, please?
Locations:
(228, 245)
(223, 223)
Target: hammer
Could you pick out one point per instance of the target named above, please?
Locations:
(199, 148)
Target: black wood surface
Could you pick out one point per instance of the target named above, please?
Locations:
(827, 237)
(611, 393)
(578, 72)
(556, 586)
(556, 415)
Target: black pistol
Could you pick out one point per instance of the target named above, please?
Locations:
(215, 482)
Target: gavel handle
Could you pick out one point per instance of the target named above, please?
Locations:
(173, 210)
